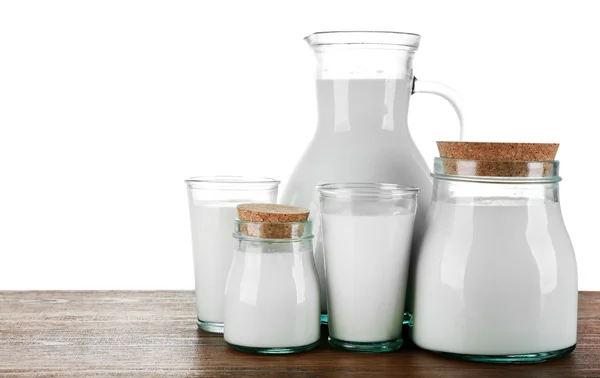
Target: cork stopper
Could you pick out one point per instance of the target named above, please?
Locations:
(272, 221)
(498, 151)
(498, 159)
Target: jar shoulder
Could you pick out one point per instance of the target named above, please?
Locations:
(496, 245)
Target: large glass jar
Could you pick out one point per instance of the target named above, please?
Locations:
(495, 276)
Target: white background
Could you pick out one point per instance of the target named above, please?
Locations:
(107, 106)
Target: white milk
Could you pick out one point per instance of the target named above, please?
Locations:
(495, 280)
(272, 298)
(213, 246)
(367, 261)
(362, 136)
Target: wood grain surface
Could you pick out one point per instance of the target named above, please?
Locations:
(126, 333)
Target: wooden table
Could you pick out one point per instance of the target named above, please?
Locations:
(132, 333)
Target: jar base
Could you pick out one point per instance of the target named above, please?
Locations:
(324, 319)
(213, 327)
(370, 347)
(526, 358)
(290, 350)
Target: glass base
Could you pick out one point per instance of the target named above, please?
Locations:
(289, 350)
(374, 347)
(527, 358)
(324, 319)
(213, 327)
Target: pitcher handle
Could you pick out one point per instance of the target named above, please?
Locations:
(420, 86)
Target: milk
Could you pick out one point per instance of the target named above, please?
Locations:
(362, 136)
(272, 297)
(367, 260)
(213, 246)
(495, 279)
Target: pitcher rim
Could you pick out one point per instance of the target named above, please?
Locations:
(364, 37)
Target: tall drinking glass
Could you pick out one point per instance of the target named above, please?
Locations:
(367, 231)
(213, 202)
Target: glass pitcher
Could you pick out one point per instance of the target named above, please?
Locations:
(364, 83)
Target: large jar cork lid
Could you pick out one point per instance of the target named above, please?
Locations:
(498, 159)
(498, 151)
(272, 221)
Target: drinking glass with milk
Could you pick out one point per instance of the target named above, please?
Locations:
(213, 202)
(367, 231)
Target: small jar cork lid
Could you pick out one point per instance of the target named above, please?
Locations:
(493, 159)
(272, 221)
(268, 212)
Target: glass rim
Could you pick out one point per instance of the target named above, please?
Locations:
(364, 37)
(492, 171)
(368, 190)
(232, 181)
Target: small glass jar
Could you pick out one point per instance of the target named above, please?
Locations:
(495, 276)
(272, 303)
